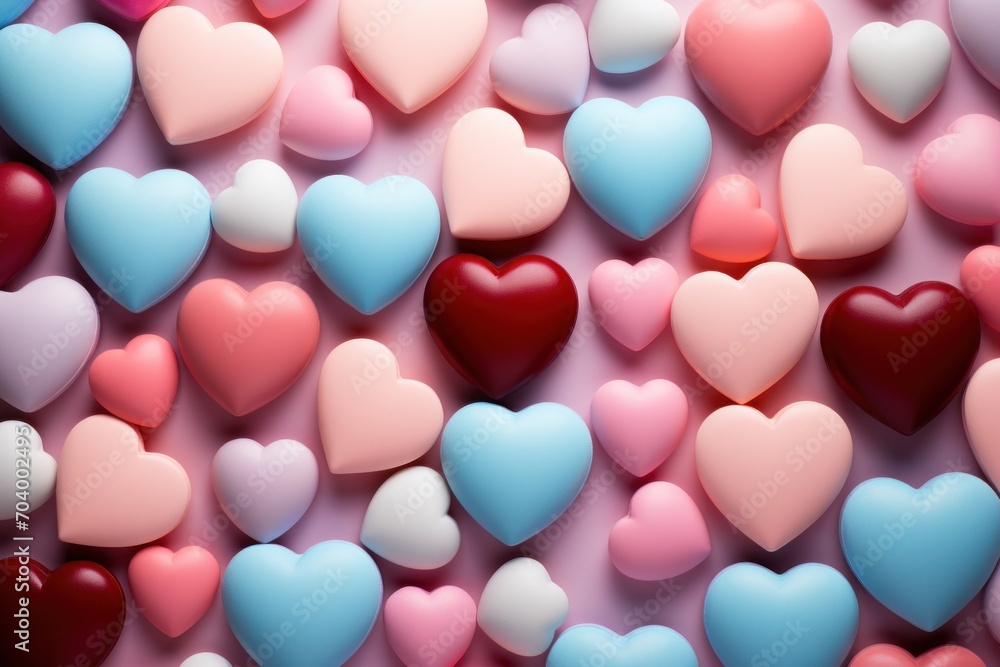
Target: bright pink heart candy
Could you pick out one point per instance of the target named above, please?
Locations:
(416, 621)
(633, 302)
(322, 119)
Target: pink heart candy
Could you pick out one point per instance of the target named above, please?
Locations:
(137, 383)
(632, 303)
(430, 628)
(274, 8)
(729, 224)
(639, 427)
(134, 10)
(322, 119)
(979, 276)
(663, 536)
(546, 70)
(173, 590)
(982, 419)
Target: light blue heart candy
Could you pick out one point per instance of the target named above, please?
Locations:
(649, 646)
(516, 472)
(923, 553)
(138, 239)
(806, 617)
(61, 95)
(313, 610)
(637, 168)
(368, 243)
(11, 9)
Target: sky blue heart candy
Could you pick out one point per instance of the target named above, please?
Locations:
(638, 168)
(806, 617)
(368, 243)
(61, 95)
(649, 646)
(516, 472)
(11, 9)
(138, 239)
(923, 553)
(313, 610)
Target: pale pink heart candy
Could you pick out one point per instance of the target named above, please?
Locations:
(113, 493)
(369, 418)
(834, 205)
(173, 590)
(639, 427)
(663, 536)
(772, 478)
(430, 628)
(632, 303)
(220, 80)
(411, 51)
(322, 119)
(743, 336)
(546, 70)
(274, 8)
(956, 174)
(982, 419)
(979, 276)
(729, 224)
(494, 186)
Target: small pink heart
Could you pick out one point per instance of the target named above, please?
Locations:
(270, 9)
(434, 628)
(134, 10)
(113, 493)
(322, 119)
(546, 70)
(980, 278)
(956, 174)
(639, 427)
(246, 348)
(173, 590)
(137, 383)
(632, 303)
(369, 418)
(663, 536)
(729, 224)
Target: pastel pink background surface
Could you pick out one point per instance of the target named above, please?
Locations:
(929, 247)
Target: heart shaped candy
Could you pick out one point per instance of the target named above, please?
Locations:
(893, 535)
(521, 607)
(221, 80)
(834, 205)
(257, 213)
(49, 329)
(61, 95)
(174, 590)
(322, 119)
(21, 449)
(27, 209)
(887, 655)
(632, 303)
(982, 420)
(971, 21)
(547, 68)
(729, 224)
(430, 628)
(11, 9)
(206, 660)
(494, 186)
(271, 9)
(112, 492)
(135, 10)
(980, 269)
(648, 646)
(631, 35)
(137, 383)
(246, 348)
(902, 358)
(138, 239)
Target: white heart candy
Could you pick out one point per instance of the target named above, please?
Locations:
(206, 660)
(631, 35)
(521, 607)
(27, 472)
(257, 213)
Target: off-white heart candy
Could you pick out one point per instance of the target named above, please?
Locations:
(631, 35)
(257, 213)
(27, 472)
(900, 70)
(494, 186)
(206, 660)
(407, 521)
(743, 336)
(521, 607)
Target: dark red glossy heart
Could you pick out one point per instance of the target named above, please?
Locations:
(901, 358)
(27, 208)
(500, 327)
(75, 614)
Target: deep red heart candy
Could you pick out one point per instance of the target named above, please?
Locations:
(27, 209)
(500, 327)
(73, 616)
(901, 358)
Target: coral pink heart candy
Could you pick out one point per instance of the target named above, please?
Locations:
(729, 224)
(322, 119)
(416, 621)
(246, 348)
(982, 419)
(134, 10)
(137, 383)
(887, 655)
(639, 427)
(173, 590)
(274, 8)
(633, 303)
(980, 278)
(956, 174)
(758, 62)
(663, 536)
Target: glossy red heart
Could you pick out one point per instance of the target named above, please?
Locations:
(901, 358)
(887, 655)
(75, 614)
(27, 209)
(500, 327)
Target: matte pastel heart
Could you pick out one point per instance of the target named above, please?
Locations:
(257, 212)
(20, 442)
(887, 655)
(322, 119)
(416, 619)
(982, 419)
(173, 589)
(632, 303)
(137, 383)
(27, 210)
(972, 22)
(729, 224)
(11, 9)
(270, 9)
(648, 646)
(521, 607)
(630, 35)
(979, 273)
